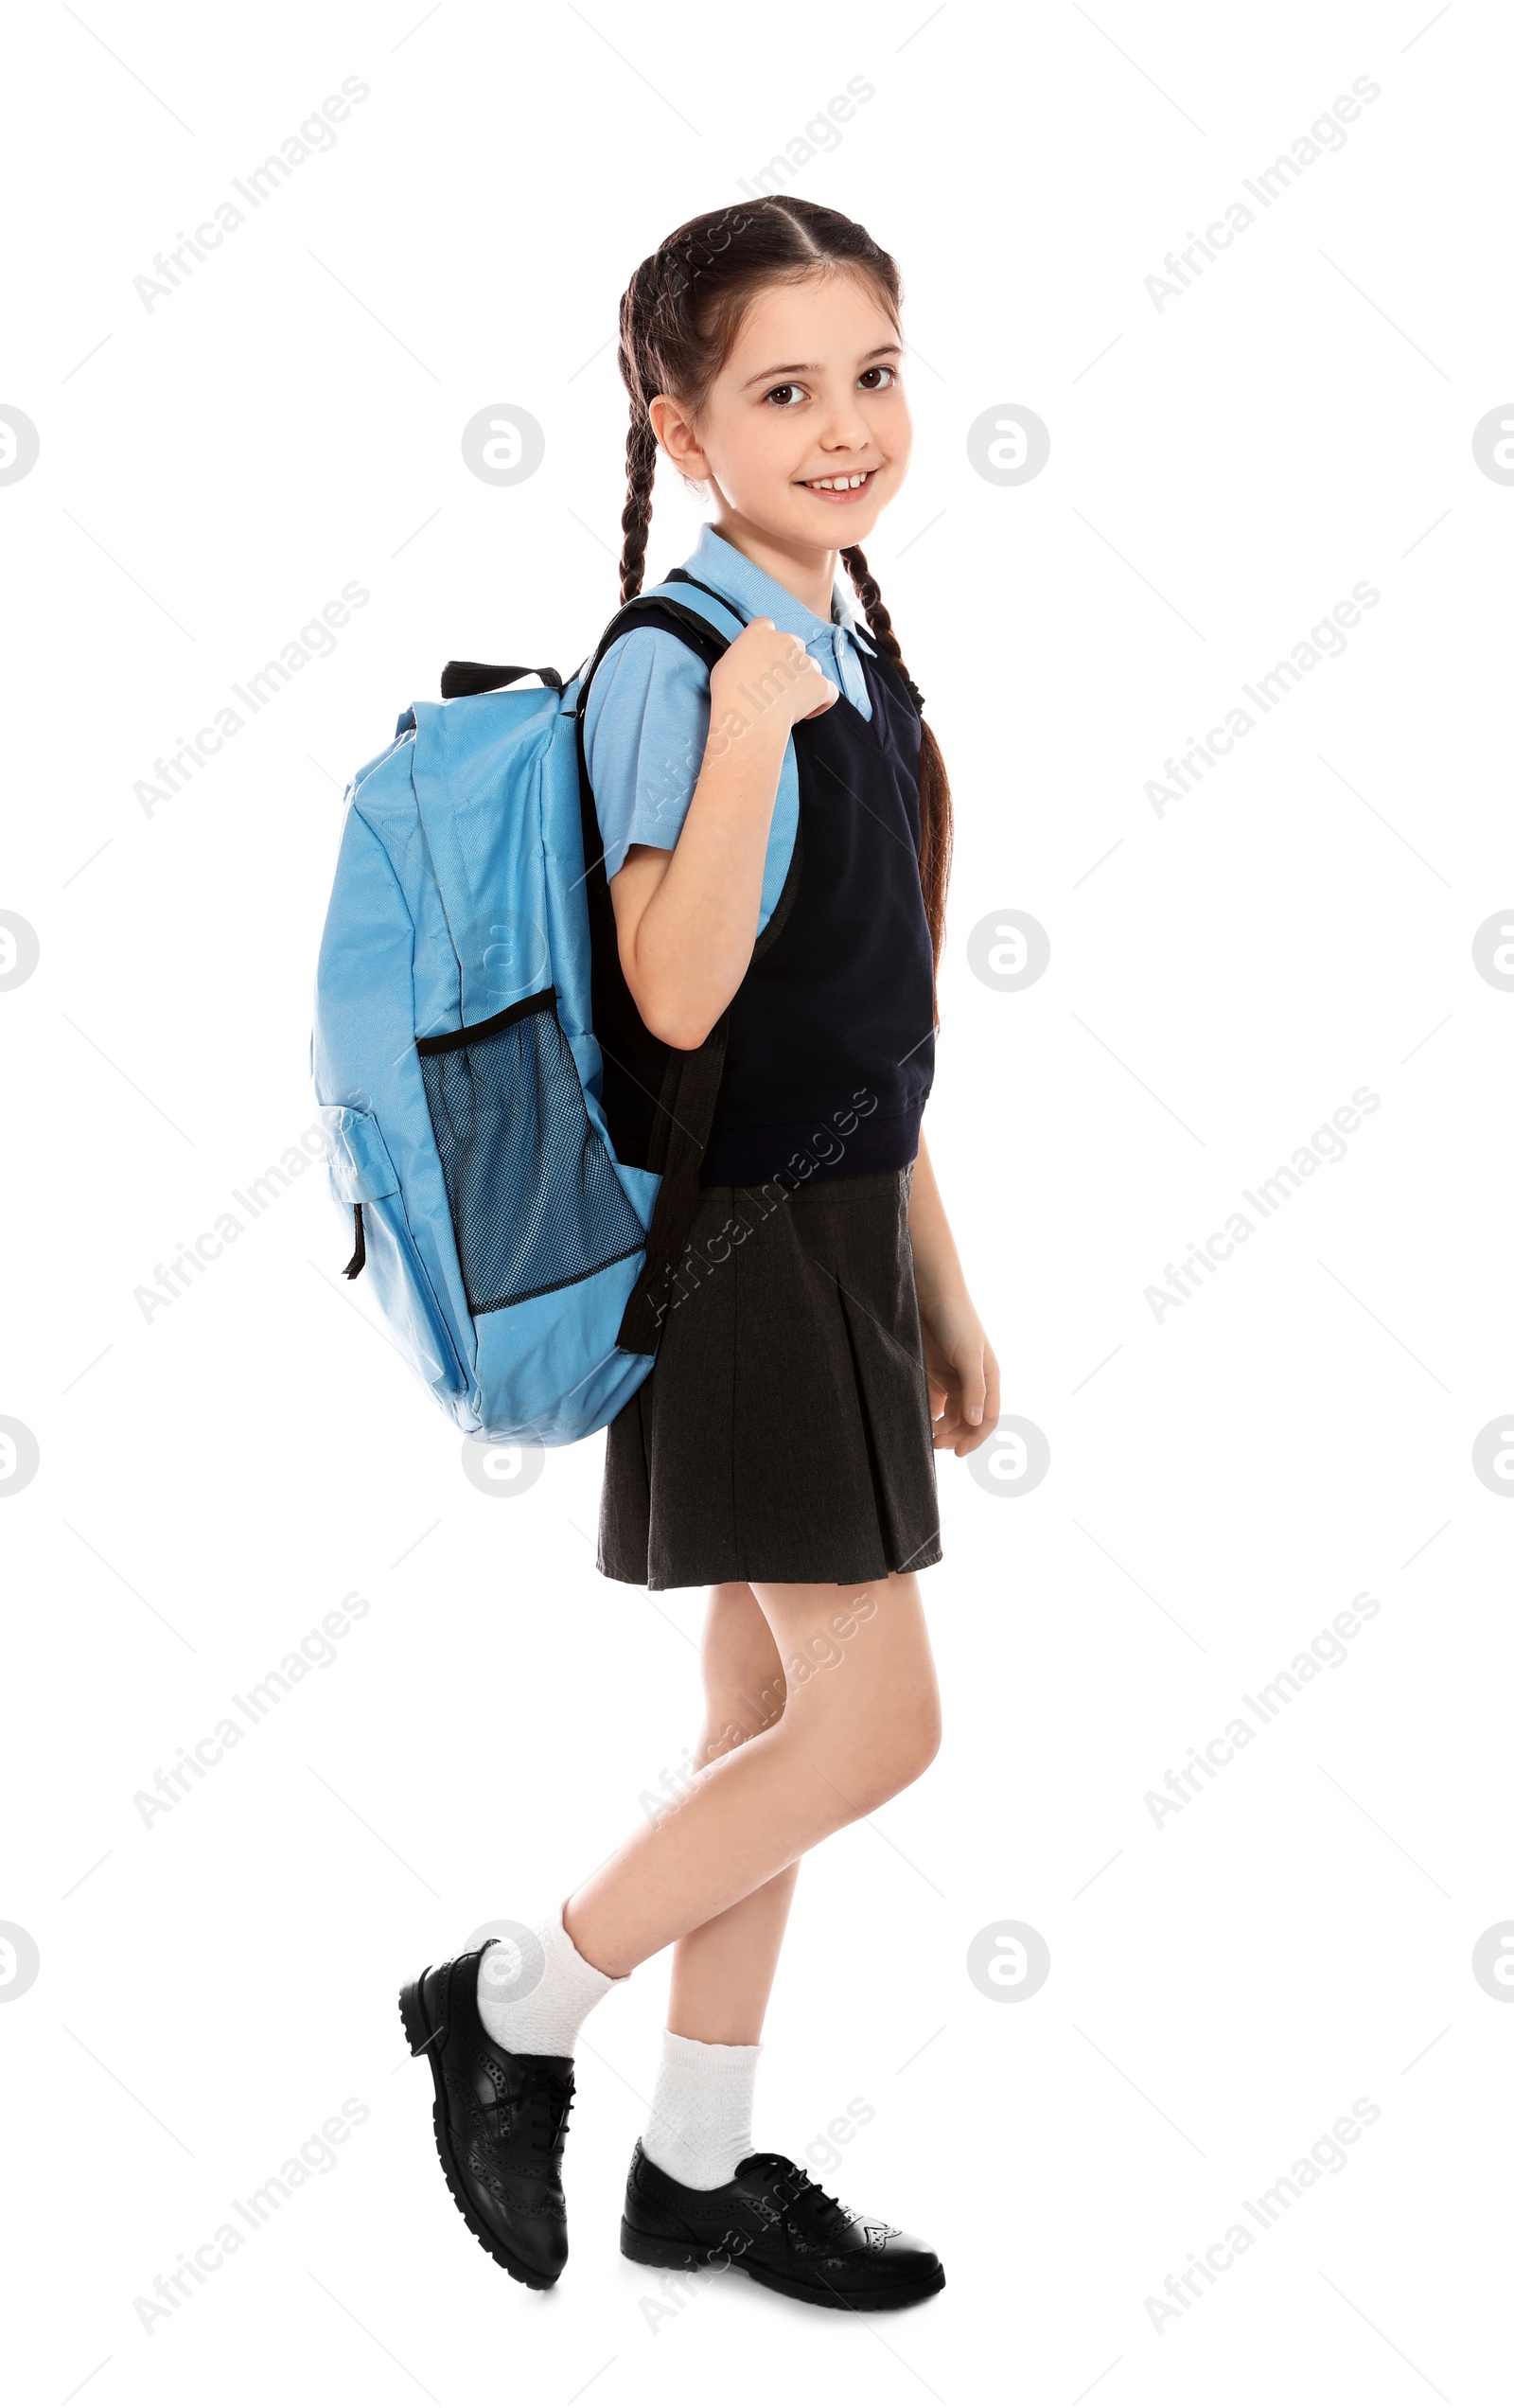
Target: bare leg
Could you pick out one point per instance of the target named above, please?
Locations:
(723, 1971)
(861, 1722)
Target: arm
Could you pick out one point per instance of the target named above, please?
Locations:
(959, 1363)
(686, 920)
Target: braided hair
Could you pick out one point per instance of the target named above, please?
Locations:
(679, 318)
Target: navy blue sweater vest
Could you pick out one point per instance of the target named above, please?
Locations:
(831, 1044)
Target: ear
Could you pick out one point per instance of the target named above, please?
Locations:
(674, 430)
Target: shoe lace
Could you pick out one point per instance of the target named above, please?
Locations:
(807, 2193)
(545, 2105)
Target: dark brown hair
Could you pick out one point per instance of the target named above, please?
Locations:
(679, 318)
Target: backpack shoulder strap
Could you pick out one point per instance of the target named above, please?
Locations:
(708, 628)
(692, 1079)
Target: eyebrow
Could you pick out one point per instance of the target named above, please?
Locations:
(811, 367)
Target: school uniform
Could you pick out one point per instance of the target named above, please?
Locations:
(784, 1432)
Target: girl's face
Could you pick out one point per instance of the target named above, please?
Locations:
(809, 399)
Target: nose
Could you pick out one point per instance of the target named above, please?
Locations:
(845, 427)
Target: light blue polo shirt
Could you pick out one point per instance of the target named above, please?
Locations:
(647, 715)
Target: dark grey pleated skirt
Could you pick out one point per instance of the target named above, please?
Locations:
(784, 1432)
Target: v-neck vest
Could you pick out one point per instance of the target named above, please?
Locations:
(831, 1043)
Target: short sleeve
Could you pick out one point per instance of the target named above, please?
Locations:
(645, 723)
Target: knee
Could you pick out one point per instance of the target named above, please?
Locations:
(912, 1749)
(886, 1761)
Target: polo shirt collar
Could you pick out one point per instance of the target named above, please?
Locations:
(719, 565)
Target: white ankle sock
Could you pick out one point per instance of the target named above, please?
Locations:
(539, 2017)
(699, 2128)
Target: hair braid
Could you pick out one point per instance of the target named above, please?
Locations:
(935, 788)
(635, 519)
(866, 585)
(638, 376)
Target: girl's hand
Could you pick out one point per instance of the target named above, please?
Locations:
(962, 1374)
(777, 675)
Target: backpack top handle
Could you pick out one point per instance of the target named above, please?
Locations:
(477, 677)
(481, 677)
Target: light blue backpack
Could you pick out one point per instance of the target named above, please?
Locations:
(522, 1268)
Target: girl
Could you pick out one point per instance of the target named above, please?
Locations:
(781, 1449)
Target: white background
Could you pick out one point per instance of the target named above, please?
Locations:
(1224, 1480)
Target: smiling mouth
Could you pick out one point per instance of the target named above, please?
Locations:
(839, 488)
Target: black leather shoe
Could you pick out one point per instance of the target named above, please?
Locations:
(498, 2120)
(771, 2222)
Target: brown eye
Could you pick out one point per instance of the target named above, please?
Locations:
(780, 393)
(888, 373)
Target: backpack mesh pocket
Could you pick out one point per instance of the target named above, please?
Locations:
(535, 1199)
